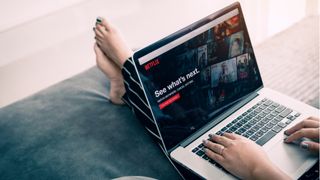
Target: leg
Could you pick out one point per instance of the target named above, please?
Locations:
(113, 72)
(111, 43)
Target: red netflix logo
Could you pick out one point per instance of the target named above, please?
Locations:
(152, 64)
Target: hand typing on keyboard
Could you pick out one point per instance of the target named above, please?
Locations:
(242, 157)
(308, 128)
(246, 159)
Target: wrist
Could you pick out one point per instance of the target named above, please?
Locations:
(268, 171)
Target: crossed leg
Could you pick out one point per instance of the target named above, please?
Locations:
(111, 53)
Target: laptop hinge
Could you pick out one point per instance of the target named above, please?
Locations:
(217, 120)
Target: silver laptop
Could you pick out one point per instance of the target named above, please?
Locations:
(205, 79)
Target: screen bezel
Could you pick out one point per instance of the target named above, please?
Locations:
(150, 48)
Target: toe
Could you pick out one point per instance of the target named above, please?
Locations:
(106, 24)
(97, 32)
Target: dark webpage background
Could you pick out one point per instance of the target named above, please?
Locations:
(227, 71)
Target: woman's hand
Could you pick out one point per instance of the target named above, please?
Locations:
(308, 128)
(242, 157)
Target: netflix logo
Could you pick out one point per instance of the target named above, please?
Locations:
(151, 64)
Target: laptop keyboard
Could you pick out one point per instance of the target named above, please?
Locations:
(260, 123)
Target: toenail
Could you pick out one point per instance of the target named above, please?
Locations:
(99, 20)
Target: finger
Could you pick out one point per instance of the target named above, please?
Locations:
(230, 135)
(98, 33)
(305, 132)
(311, 146)
(314, 118)
(220, 140)
(303, 124)
(213, 146)
(214, 156)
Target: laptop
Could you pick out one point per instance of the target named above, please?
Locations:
(204, 79)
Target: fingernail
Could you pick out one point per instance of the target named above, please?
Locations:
(205, 150)
(285, 139)
(286, 133)
(204, 141)
(304, 145)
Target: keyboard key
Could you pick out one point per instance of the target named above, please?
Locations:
(266, 138)
(229, 125)
(200, 145)
(246, 135)
(232, 129)
(200, 153)
(271, 108)
(262, 107)
(238, 132)
(289, 117)
(275, 104)
(257, 110)
(255, 128)
(280, 109)
(219, 133)
(247, 126)
(278, 118)
(239, 124)
(277, 129)
(285, 112)
(274, 122)
(275, 113)
(281, 124)
(269, 125)
(265, 120)
(195, 149)
(224, 129)
(205, 157)
(261, 124)
(288, 121)
(253, 114)
(267, 111)
(293, 118)
(268, 103)
(242, 130)
(259, 133)
(250, 132)
(235, 121)
(236, 126)
(297, 114)
(212, 161)
(251, 123)
(254, 138)
(263, 100)
(264, 129)
(228, 131)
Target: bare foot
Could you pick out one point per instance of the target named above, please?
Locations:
(111, 43)
(113, 72)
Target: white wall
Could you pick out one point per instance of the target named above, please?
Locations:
(45, 41)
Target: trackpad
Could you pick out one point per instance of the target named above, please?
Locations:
(288, 157)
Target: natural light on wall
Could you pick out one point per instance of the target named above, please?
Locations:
(43, 42)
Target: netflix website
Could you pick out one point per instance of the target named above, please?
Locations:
(190, 84)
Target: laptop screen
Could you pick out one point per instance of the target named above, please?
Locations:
(198, 75)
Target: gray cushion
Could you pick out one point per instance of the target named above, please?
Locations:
(72, 131)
